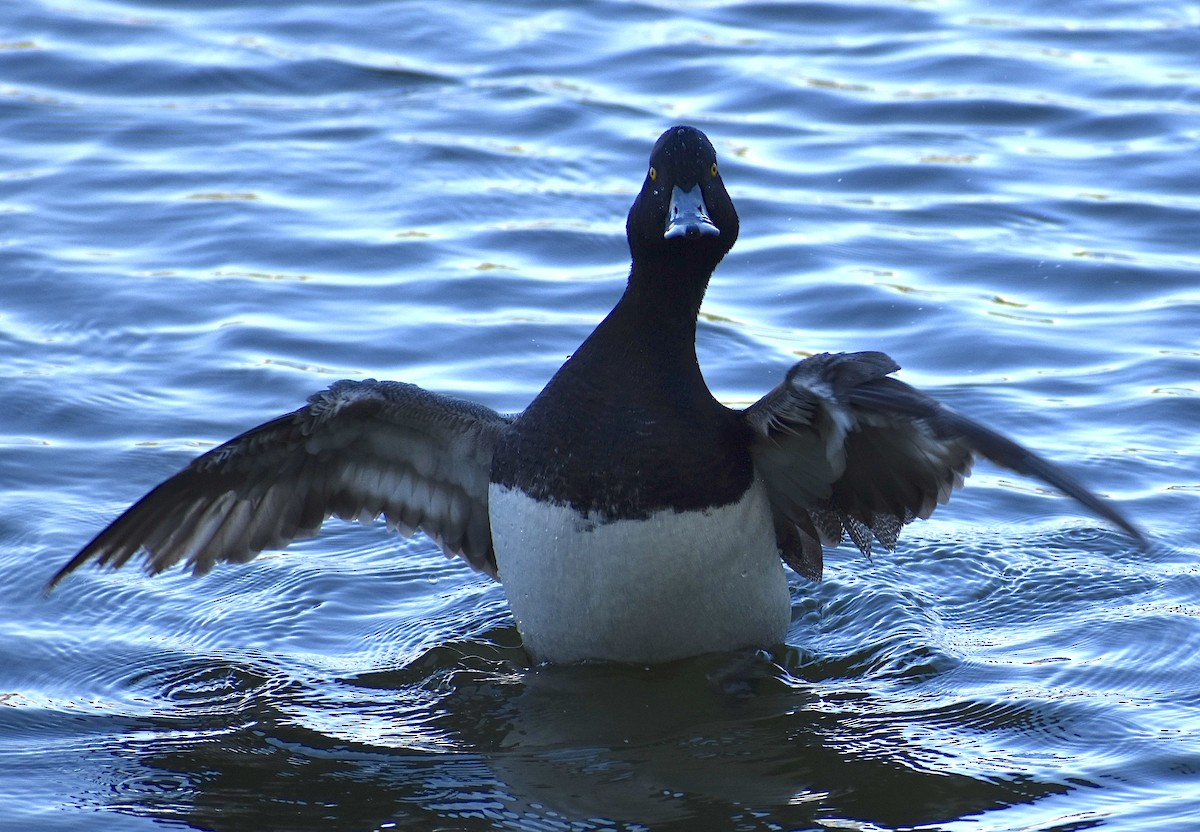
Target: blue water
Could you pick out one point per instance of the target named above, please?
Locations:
(208, 211)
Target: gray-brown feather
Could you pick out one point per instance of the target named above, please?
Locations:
(359, 450)
(846, 450)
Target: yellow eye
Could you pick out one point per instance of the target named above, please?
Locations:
(714, 169)
(653, 174)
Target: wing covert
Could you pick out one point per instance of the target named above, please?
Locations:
(846, 450)
(358, 450)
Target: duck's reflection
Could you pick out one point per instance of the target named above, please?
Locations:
(721, 741)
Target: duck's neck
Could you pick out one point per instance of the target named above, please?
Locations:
(667, 290)
(653, 326)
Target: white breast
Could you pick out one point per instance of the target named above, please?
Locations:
(673, 585)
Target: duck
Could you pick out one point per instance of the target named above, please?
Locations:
(628, 514)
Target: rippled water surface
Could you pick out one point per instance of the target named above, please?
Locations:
(208, 211)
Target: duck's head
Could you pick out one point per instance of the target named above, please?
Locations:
(683, 213)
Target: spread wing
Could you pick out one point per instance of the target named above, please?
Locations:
(357, 450)
(846, 450)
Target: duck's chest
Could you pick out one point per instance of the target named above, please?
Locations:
(625, 457)
(660, 587)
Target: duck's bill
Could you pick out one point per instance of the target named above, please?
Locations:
(687, 215)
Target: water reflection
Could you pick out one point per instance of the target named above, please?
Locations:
(496, 745)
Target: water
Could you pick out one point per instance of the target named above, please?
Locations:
(208, 213)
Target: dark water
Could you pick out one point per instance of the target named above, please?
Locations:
(207, 213)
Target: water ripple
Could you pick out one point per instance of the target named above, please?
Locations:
(208, 213)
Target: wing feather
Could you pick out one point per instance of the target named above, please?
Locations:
(358, 450)
(846, 450)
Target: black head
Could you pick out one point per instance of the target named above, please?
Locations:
(683, 215)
